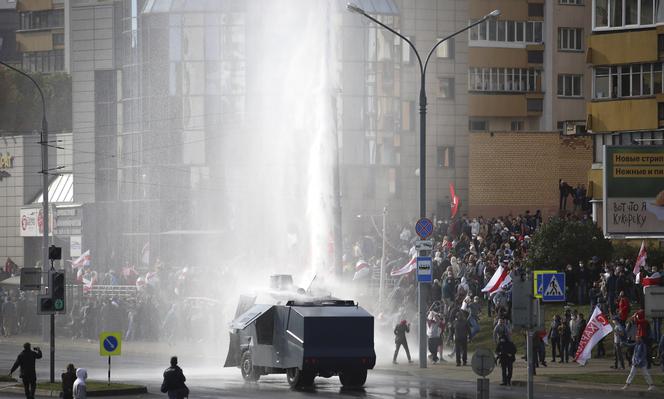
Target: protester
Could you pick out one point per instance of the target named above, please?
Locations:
(618, 342)
(80, 388)
(68, 379)
(26, 361)
(433, 334)
(639, 362)
(461, 335)
(506, 353)
(400, 331)
(174, 381)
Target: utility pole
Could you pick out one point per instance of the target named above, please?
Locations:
(381, 287)
(43, 141)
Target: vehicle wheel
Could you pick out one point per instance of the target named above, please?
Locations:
(297, 378)
(353, 378)
(249, 372)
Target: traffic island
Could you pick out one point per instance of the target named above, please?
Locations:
(94, 388)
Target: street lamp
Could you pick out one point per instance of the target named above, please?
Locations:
(423, 128)
(44, 171)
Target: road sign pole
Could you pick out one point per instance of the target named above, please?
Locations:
(109, 371)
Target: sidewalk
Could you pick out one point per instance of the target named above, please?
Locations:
(546, 379)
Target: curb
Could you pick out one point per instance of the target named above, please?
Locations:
(563, 386)
(110, 392)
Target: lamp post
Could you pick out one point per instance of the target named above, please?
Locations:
(423, 128)
(43, 140)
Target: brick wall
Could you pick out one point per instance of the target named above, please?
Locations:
(512, 172)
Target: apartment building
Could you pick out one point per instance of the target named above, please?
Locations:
(40, 37)
(527, 84)
(625, 51)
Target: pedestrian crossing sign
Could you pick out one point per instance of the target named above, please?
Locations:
(553, 287)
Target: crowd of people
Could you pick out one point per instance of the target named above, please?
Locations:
(468, 251)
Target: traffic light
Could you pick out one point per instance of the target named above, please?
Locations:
(56, 288)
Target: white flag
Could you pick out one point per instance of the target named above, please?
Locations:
(597, 328)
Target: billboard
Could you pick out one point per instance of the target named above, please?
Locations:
(634, 191)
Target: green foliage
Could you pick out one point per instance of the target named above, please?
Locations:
(21, 107)
(560, 242)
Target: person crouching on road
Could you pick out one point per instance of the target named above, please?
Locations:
(80, 388)
(174, 380)
(400, 331)
(26, 361)
(506, 352)
(68, 379)
(639, 362)
(433, 334)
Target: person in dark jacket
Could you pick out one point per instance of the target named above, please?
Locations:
(68, 379)
(26, 361)
(173, 383)
(506, 353)
(554, 337)
(400, 331)
(461, 334)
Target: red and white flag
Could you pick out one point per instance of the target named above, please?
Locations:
(640, 259)
(504, 286)
(496, 280)
(405, 269)
(597, 328)
(455, 203)
(81, 261)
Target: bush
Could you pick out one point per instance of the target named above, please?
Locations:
(629, 250)
(560, 242)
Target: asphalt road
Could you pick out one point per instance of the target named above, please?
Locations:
(144, 364)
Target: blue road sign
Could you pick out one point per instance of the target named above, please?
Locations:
(553, 287)
(424, 228)
(424, 270)
(110, 343)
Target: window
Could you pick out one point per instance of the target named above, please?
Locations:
(560, 126)
(445, 157)
(633, 80)
(569, 85)
(660, 114)
(42, 19)
(446, 87)
(572, 2)
(660, 46)
(44, 61)
(478, 125)
(407, 115)
(516, 126)
(406, 51)
(534, 105)
(506, 32)
(58, 39)
(445, 49)
(627, 13)
(601, 13)
(535, 57)
(570, 39)
(535, 10)
(503, 79)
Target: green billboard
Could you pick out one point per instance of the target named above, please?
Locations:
(634, 191)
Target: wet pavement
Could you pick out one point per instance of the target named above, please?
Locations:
(144, 363)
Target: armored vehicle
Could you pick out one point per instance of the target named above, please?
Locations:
(303, 338)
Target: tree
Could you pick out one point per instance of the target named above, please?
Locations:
(561, 242)
(21, 107)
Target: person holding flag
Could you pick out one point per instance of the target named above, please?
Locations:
(596, 328)
(639, 271)
(639, 362)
